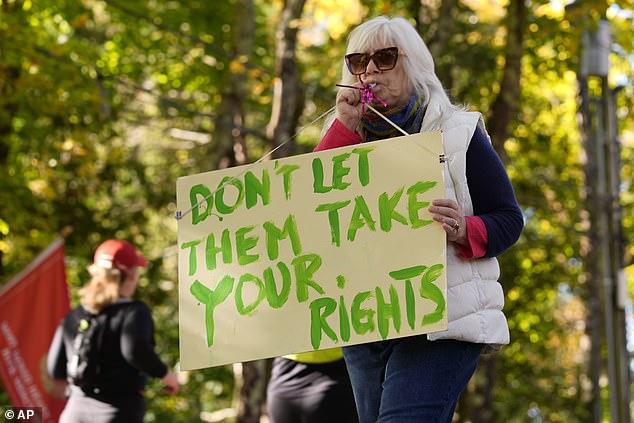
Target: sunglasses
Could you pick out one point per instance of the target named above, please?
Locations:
(384, 59)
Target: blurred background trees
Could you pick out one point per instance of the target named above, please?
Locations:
(105, 103)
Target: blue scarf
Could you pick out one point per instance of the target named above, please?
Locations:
(409, 118)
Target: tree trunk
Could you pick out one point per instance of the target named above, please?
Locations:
(229, 133)
(251, 379)
(593, 292)
(9, 75)
(502, 113)
(288, 96)
(287, 107)
(505, 105)
(436, 23)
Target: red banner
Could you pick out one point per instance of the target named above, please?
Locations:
(32, 304)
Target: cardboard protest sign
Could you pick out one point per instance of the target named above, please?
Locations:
(310, 252)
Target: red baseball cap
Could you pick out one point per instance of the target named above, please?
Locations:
(120, 254)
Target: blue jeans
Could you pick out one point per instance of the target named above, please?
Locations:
(410, 380)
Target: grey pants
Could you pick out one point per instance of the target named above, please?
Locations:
(80, 408)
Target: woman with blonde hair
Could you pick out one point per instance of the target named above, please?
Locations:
(105, 346)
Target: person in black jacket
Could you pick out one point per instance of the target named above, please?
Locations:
(126, 342)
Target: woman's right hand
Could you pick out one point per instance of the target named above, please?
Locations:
(171, 382)
(349, 107)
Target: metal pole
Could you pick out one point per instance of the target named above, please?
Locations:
(619, 342)
(595, 314)
(605, 264)
(595, 62)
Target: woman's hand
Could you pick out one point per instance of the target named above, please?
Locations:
(58, 389)
(448, 213)
(349, 107)
(171, 382)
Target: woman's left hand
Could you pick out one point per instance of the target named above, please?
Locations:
(448, 213)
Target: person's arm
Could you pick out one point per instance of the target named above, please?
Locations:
(56, 365)
(56, 357)
(137, 341)
(493, 200)
(338, 135)
(137, 346)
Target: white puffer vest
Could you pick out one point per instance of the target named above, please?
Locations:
(474, 296)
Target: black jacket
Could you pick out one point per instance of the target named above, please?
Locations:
(127, 356)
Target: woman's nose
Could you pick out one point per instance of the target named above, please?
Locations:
(371, 68)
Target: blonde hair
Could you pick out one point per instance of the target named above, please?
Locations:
(418, 62)
(103, 288)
